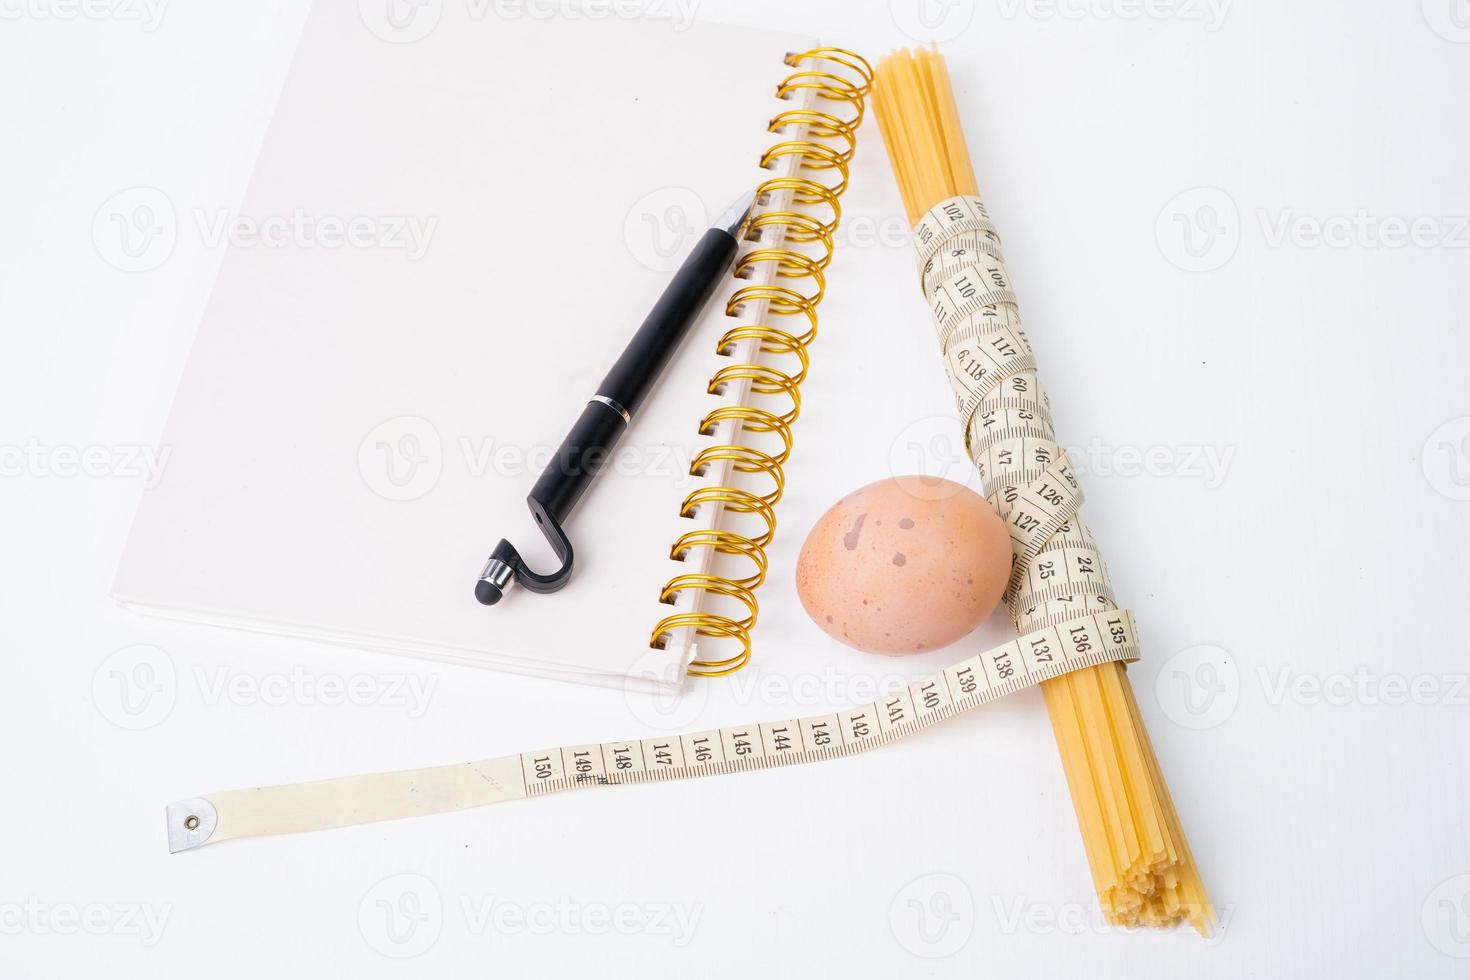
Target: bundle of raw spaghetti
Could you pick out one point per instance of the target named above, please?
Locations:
(1141, 864)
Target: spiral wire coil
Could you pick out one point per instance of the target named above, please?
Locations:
(799, 208)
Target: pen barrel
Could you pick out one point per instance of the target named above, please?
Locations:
(581, 456)
(588, 448)
(652, 347)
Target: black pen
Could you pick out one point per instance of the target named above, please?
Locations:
(588, 447)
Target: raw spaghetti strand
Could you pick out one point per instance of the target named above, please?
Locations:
(1141, 864)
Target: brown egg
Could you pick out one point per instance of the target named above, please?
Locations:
(894, 571)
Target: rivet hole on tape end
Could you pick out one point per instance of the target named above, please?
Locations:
(190, 823)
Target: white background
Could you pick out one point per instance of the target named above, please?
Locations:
(1238, 232)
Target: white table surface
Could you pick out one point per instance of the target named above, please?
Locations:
(1239, 235)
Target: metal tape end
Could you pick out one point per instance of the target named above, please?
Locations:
(190, 823)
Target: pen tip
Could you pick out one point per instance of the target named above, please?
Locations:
(737, 214)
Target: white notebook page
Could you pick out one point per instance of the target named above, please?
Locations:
(360, 422)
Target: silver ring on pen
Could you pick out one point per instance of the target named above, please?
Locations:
(627, 416)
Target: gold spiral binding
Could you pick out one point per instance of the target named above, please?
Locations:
(734, 499)
(817, 123)
(816, 143)
(726, 543)
(797, 226)
(805, 191)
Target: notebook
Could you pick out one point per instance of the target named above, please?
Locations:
(468, 220)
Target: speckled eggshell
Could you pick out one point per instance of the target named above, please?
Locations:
(890, 571)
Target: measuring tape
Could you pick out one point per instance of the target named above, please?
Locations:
(1058, 594)
(1006, 416)
(1081, 642)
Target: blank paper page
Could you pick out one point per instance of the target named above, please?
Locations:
(460, 232)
